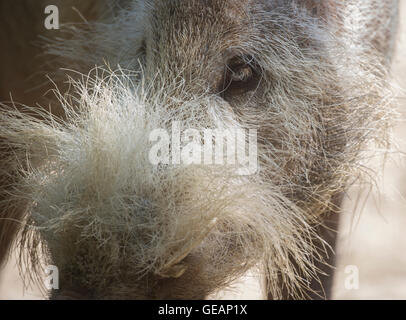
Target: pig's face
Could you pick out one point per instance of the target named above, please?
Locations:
(120, 221)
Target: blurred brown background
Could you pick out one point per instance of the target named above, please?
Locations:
(373, 243)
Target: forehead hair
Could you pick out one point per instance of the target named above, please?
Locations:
(199, 13)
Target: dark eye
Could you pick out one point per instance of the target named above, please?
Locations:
(241, 76)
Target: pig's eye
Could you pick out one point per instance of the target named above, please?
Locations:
(241, 76)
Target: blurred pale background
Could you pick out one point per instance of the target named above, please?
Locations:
(374, 242)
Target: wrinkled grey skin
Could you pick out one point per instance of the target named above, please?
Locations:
(196, 40)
